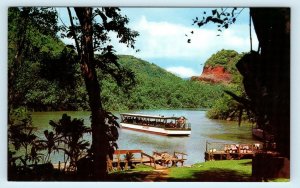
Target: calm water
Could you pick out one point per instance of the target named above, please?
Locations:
(203, 129)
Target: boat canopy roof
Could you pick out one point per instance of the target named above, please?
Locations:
(150, 116)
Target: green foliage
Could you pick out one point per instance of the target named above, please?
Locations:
(56, 85)
(225, 107)
(31, 40)
(28, 152)
(44, 76)
(225, 58)
(68, 137)
(156, 89)
(21, 135)
(129, 156)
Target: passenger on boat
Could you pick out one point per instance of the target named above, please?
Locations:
(172, 124)
(181, 122)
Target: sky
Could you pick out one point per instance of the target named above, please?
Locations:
(163, 39)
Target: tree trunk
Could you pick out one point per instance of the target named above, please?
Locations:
(100, 143)
(272, 26)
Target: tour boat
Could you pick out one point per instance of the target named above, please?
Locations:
(169, 126)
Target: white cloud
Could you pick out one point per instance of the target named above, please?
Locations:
(168, 40)
(182, 71)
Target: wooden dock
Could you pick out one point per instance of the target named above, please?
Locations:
(125, 159)
(165, 159)
(223, 151)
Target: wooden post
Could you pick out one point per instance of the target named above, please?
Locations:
(126, 165)
(118, 167)
(109, 165)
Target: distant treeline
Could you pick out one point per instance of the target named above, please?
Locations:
(56, 84)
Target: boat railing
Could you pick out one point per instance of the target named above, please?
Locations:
(186, 126)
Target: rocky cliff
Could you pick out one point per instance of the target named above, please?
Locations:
(220, 68)
(217, 74)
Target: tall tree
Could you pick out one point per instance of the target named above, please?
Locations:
(27, 26)
(272, 26)
(92, 35)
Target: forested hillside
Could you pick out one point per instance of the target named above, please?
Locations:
(157, 88)
(58, 86)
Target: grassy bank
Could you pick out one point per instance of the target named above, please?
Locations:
(211, 171)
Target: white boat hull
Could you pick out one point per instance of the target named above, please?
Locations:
(156, 130)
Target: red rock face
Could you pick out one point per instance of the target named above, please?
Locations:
(216, 74)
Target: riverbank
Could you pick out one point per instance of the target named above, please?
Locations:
(210, 171)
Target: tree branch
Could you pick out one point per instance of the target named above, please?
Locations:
(73, 31)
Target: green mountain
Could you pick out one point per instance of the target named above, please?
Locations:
(157, 88)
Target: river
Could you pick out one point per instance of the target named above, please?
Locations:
(203, 130)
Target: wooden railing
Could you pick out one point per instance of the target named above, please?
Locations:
(220, 150)
(158, 159)
(123, 163)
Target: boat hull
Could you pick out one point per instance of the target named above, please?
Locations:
(156, 130)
